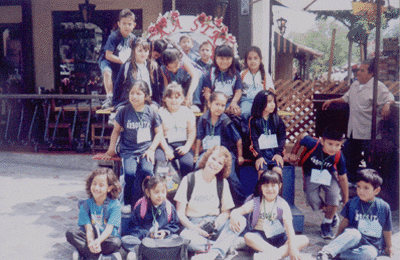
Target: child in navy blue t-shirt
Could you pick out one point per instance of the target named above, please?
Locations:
(116, 52)
(140, 131)
(366, 229)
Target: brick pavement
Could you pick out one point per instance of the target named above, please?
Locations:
(39, 196)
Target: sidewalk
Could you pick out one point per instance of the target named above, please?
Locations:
(39, 197)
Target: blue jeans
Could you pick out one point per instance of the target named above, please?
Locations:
(135, 170)
(225, 236)
(185, 161)
(349, 247)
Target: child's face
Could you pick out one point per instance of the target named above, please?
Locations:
(270, 105)
(270, 191)
(186, 44)
(217, 106)
(331, 147)
(253, 61)
(126, 25)
(141, 54)
(157, 194)
(173, 66)
(155, 55)
(215, 163)
(100, 188)
(174, 101)
(136, 97)
(205, 52)
(366, 191)
(223, 63)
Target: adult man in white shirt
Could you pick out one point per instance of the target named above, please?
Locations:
(360, 100)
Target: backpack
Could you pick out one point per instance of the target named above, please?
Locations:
(256, 210)
(191, 181)
(306, 153)
(168, 249)
(143, 207)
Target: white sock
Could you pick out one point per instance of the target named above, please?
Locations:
(327, 220)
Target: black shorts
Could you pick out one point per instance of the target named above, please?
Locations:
(276, 241)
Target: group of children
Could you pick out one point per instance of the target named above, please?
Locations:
(155, 122)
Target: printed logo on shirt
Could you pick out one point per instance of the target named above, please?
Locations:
(360, 216)
(317, 161)
(136, 125)
(225, 86)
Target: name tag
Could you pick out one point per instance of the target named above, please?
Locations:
(267, 141)
(272, 228)
(143, 135)
(124, 54)
(370, 228)
(211, 141)
(321, 177)
(176, 135)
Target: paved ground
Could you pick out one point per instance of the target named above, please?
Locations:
(38, 201)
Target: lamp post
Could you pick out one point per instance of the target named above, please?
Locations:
(282, 25)
(220, 8)
(87, 10)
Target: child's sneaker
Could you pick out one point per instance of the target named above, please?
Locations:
(113, 256)
(326, 231)
(107, 103)
(335, 221)
(322, 255)
(126, 209)
(75, 255)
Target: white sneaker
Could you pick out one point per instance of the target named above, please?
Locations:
(126, 209)
(131, 256)
(113, 256)
(75, 255)
(237, 244)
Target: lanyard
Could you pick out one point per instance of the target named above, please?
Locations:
(365, 214)
(137, 114)
(175, 121)
(222, 76)
(269, 215)
(212, 129)
(254, 79)
(265, 125)
(158, 212)
(323, 160)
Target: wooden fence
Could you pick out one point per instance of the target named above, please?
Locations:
(296, 97)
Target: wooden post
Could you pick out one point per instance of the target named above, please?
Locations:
(331, 54)
(349, 69)
(173, 5)
(376, 77)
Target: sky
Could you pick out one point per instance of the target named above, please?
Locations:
(301, 21)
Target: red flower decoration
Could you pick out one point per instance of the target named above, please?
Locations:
(153, 30)
(163, 22)
(218, 22)
(202, 17)
(224, 30)
(174, 15)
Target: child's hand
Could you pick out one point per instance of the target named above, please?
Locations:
(278, 159)
(233, 109)
(234, 223)
(188, 101)
(169, 153)
(260, 163)
(158, 235)
(149, 154)
(294, 254)
(292, 157)
(108, 155)
(94, 246)
(389, 251)
(182, 150)
(240, 160)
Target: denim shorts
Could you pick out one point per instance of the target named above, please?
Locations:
(105, 65)
(312, 192)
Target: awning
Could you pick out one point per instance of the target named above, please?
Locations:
(283, 45)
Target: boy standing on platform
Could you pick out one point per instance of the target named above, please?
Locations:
(323, 168)
(116, 52)
(366, 229)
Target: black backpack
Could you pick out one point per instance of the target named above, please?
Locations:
(166, 249)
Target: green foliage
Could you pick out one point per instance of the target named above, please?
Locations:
(319, 38)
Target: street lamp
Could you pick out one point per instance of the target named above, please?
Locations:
(220, 8)
(87, 10)
(282, 25)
